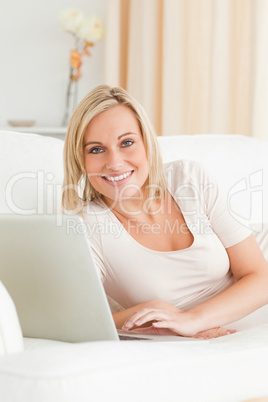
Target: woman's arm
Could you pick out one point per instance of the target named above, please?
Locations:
(121, 317)
(248, 294)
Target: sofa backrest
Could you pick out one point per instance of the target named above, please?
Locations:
(239, 163)
(31, 173)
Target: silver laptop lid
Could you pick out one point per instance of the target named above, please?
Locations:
(49, 271)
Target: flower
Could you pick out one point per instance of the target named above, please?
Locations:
(76, 64)
(86, 31)
(92, 29)
(71, 20)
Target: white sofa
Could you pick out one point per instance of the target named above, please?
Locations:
(233, 368)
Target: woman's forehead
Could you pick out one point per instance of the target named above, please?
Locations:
(113, 122)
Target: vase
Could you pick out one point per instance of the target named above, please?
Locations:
(70, 100)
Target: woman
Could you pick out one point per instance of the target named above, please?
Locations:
(166, 247)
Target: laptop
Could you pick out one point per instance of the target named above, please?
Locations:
(49, 271)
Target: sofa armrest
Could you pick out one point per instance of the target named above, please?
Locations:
(11, 339)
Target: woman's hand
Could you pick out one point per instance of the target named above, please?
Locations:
(163, 319)
(170, 321)
(122, 317)
(214, 333)
(207, 334)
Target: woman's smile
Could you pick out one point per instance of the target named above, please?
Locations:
(118, 179)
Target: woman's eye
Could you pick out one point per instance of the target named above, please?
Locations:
(127, 143)
(95, 150)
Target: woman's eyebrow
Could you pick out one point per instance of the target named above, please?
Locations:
(92, 142)
(122, 135)
(100, 143)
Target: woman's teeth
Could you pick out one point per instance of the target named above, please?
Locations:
(117, 178)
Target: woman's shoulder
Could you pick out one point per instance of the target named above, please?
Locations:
(186, 170)
(94, 209)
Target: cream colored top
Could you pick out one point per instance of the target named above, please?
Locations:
(132, 273)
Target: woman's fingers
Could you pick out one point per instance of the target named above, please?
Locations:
(153, 331)
(169, 322)
(159, 318)
(171, 325)
(143, 316)
(169, 328)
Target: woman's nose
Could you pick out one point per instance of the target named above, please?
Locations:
(114, 160)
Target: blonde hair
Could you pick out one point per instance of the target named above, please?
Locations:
(77, 189)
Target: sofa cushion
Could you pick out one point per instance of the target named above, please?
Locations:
(31, 173)
(238, 162)
(229, 369)
(11, 340)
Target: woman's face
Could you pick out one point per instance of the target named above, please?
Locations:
(114, 155)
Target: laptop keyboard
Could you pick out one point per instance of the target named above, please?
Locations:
(132, 338)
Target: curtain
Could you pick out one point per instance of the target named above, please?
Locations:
(197, 66)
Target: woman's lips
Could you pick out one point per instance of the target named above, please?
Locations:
(118, 179)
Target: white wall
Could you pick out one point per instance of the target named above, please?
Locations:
(34, 54)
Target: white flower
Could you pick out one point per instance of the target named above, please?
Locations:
(71, 20)
(92, 29)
